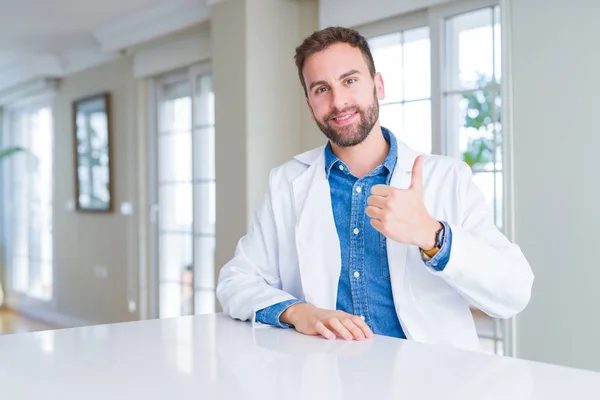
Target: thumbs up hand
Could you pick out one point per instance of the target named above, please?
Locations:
(401, 215)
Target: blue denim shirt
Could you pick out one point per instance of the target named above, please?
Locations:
(364, 287)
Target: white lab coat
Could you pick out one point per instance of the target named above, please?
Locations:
(292, 251)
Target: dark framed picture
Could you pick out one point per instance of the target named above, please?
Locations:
(93, 175)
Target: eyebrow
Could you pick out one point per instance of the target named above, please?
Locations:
(342, 76)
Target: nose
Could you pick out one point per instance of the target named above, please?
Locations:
(338, 100)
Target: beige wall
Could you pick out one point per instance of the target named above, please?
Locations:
(261, 118)
(556, 60)
(86, 245)
(309, 22)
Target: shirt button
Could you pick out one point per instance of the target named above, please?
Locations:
(362, 317)
(341, 167)
(356, 274)
(356, 231)
(358, 189)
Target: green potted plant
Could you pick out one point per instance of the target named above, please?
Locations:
(480, 116)
(10, 151)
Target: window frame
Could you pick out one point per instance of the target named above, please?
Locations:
(189, 74)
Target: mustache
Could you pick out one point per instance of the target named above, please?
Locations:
(345, 110)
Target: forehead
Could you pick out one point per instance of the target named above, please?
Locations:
(334, 61)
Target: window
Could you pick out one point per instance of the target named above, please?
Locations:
(472, 99)
(28, 203)
(441, 69)
(472, 103)
(404, 59)
(185, 193)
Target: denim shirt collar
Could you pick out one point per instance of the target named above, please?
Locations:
(389, 163)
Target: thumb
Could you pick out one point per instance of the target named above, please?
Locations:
(416, 182)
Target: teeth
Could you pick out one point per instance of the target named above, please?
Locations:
(343, 118)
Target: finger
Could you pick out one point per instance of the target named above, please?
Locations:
(338, 327)
(362, 325)
(378, 225)
(381, 190)
(377, 201)
(417, 175)
(374, 212)
(323, 331)
(354, 330)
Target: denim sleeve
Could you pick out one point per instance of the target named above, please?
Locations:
(271, 314)
(440, 260)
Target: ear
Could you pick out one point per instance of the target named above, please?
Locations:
(310, 110)
(379, 86)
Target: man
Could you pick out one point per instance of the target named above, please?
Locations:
(365, 236)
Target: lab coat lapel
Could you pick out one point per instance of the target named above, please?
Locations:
(317, 241)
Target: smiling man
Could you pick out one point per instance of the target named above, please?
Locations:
(364, 235)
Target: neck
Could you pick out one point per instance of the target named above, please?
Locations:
(365, 157)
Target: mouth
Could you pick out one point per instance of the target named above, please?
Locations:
(344, 118)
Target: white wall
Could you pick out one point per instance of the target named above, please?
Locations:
(352, 13)
(556, 60)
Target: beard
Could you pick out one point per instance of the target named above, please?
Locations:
(353, 134)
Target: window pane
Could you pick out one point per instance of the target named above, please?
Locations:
(417, 125)
(499, 200)
(175, 108)
(187, 300)
(170, 295)
(20, 274)
(205, 302)
(470, 49)
(470, 128)
(20, 240)
(175, 257)
(391, 116)
(417, 64)
(176, 212)
(204, 153)
(485, 182)
(46, 281)
(46, 234)
(204, 113)
(387, 54)
(35, 283)
(205, 262)
(175, 157)
(205, 210)
(497, 45)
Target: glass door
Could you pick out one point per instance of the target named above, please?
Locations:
(185, 193)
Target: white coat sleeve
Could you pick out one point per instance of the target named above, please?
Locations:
(484, 266)
(251, 281)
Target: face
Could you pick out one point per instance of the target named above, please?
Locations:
(342, 95)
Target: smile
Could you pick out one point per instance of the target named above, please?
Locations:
(344, 118)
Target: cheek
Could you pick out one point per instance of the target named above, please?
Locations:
(320, 109)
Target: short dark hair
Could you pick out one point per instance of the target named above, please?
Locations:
(322, 39)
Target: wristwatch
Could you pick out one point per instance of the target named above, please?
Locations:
(439, 240)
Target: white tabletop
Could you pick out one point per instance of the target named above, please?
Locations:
(214, 357)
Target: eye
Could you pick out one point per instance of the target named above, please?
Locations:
(350, 80)
(320, 90)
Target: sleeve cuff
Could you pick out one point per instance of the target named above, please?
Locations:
(270, 315)
(440, 260)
